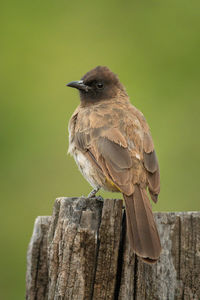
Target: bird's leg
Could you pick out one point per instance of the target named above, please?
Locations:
(99, 198)
(93, 192)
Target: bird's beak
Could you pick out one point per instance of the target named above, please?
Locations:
(79, 85)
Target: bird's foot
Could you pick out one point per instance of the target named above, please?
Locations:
(99, 198)
(92, 194)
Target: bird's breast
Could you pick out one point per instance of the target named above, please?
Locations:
(88, 170)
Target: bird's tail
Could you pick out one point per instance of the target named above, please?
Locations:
(141, 227)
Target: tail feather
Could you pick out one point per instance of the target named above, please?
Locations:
(141, 227)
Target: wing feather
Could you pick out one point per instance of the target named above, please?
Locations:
(108, 149)
(110, 155)
(151, 166)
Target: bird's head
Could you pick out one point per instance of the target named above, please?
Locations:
(98, 84)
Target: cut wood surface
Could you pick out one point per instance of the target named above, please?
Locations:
(82, 252)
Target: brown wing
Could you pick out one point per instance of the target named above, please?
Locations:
(114, 145)
(152, 167)
(116, 163)
(107, 149)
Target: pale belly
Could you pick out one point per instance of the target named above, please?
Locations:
(90, 171)
(87, 169)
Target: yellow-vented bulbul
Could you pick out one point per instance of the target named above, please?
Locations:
(111, 143)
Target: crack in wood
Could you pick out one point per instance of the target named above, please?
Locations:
(120, 257)
(135, 278)
(97, 254)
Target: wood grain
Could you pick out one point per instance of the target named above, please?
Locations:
(82, 252)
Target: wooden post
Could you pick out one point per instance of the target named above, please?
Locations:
(82, 252)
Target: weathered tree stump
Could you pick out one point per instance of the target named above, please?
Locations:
(82, 252)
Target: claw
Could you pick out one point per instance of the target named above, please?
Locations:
(99, 198)
(93, 193)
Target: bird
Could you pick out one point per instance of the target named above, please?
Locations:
(111, 143)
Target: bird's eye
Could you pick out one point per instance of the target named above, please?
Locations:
(99, 85)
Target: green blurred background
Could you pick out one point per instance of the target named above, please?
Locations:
(154, 48)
